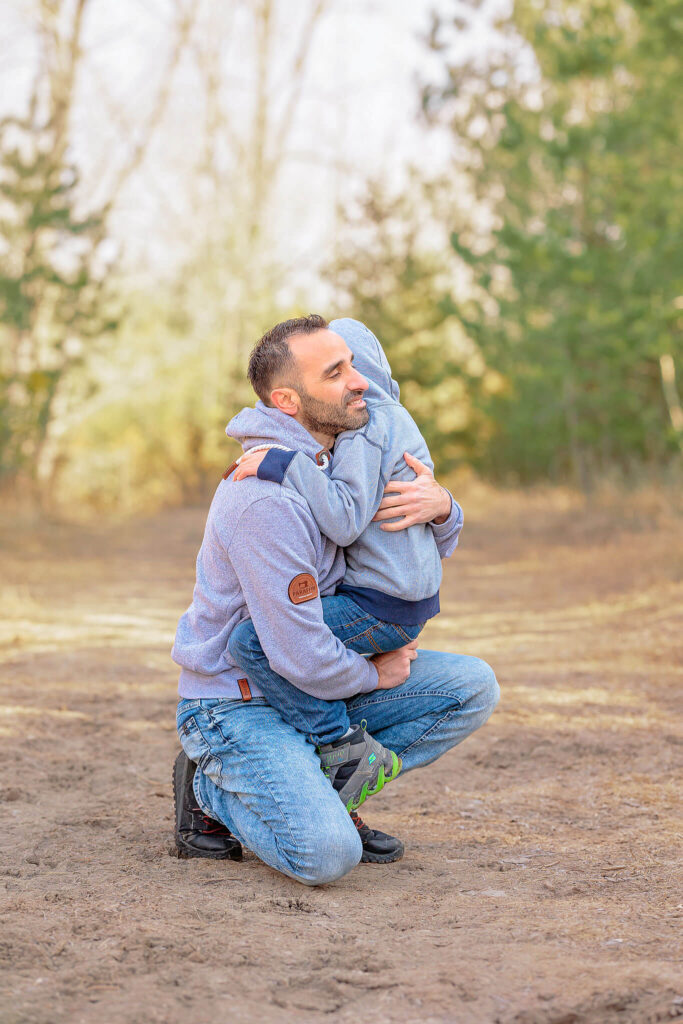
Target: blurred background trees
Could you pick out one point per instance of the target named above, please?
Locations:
(175, 181)
(53, 303)
(562, 201)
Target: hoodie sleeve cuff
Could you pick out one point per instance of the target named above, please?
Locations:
(446, 534)
(274, 465)
(371, 681)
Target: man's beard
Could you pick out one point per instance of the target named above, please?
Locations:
(329, 418)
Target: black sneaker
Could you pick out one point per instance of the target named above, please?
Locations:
(358, 766)
(378, 847)
(197, 835)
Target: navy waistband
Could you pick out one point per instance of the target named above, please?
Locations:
(393, 609)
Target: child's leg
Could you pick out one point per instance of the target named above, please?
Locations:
(361, 631)
(323, 721)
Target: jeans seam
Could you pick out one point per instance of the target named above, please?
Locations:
(431, 729)
(369, 637)
(195, 785)
(346, 625)
(280, 806)
(189, 704)
(206, 757)
(390, 695)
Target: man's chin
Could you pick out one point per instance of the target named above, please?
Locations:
(357, 418)
(322, 418)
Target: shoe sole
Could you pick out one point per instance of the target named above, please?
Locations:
(382, 858)
(184, 852)
(382, 780)
(190, 853)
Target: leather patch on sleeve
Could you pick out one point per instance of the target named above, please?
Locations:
(244, 688)
(302, 588)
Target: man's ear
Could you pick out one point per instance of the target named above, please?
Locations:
(286, 400)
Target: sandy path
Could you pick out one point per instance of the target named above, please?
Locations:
(540, 880)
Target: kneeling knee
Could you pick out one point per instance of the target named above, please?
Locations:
(332, 858)
(489, 690)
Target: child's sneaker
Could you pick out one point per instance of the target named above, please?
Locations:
(358, 766)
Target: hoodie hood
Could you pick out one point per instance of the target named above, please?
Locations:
(369, 358)
(262, 425)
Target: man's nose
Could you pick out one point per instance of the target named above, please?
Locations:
(356, 382)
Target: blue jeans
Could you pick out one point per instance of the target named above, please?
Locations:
(322, 721)
(261, 777)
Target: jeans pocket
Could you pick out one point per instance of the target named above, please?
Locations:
(409, 633)
(389, 636)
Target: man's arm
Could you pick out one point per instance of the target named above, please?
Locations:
(273, 552)
(422, 500)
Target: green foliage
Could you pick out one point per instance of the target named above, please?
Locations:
(393, 280)
(53, 307)
(582, 172)
(567, 232)
(154, 431)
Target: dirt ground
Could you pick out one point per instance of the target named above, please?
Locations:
(539, 884)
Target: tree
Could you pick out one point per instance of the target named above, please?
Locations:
(52, 301)
(154, 431)
(574, 150)
(563, 203)
(56, 305)
(392, 274)
(51, 266)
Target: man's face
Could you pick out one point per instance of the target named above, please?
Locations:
(330, 390)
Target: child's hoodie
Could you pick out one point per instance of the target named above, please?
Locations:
(263, 557)
(394, 575)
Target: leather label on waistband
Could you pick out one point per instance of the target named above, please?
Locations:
(244, 688)
(302, 588)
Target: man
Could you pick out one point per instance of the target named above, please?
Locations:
(264, 558)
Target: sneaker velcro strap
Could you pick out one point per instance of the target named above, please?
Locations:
(332, 757)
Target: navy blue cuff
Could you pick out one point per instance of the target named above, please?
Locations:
(392, 609)
(275, 465)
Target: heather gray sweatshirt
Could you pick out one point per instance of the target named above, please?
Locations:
(395, 576)
(263, 557)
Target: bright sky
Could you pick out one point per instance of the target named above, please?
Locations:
(357, 115)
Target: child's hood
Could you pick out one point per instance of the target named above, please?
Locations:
(369, 358)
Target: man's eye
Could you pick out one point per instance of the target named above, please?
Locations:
(337, 373)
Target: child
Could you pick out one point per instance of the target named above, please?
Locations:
(391, 584)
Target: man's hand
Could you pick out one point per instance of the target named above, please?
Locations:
(394, 668)
(249, 464)
(421, 500)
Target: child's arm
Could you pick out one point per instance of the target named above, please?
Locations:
(342, 504)
(410, 499)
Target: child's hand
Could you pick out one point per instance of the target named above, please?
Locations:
(248, 465)
(393, 668)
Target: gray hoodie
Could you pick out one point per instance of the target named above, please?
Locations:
(395, 576)
(263, 557)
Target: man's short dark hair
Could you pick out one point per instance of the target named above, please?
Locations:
(271, 362)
